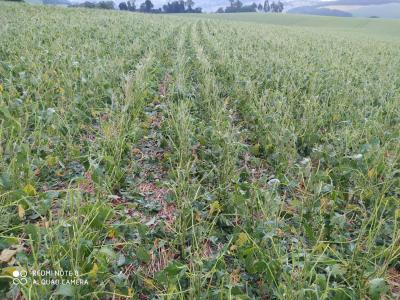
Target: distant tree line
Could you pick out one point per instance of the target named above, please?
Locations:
(181, 7)
(56, 2)
(237, 6)
(146, 7)
(177, 6)
(100, 4)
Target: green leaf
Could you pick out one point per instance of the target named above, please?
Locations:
(100, 214)
(309, 232)
(175, 268)
(7, 242)
(170, 198)
(338, 270)
(5, 113)
(143, 255)
(33, 232)
(5, 181)
(255, 149)
(65, 290)
(248, 263)
(377, 287)
(161, 277)
(273, 270)
(121, 260)
(29, 190)
(260, 266)
(108, 252)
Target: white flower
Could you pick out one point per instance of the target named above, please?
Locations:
(356, 156)
(274, 182)
(305, 161)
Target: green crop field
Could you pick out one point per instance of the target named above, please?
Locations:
(365, 27)
(165, 157)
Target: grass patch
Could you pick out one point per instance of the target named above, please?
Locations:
(190, 158)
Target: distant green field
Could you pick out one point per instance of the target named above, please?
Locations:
(383, 28)
(390, 10)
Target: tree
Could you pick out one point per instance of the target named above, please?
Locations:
(273, 7)
(123, 6)
(175, 7)
(106, 5)
(189, 4)
(220, 10)
(238, 4)
(260, 7)
(131, 5)
(149, 5)
(279, 7)
(146, 6)
(182, 6)
(267, 8)
(101, 4)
